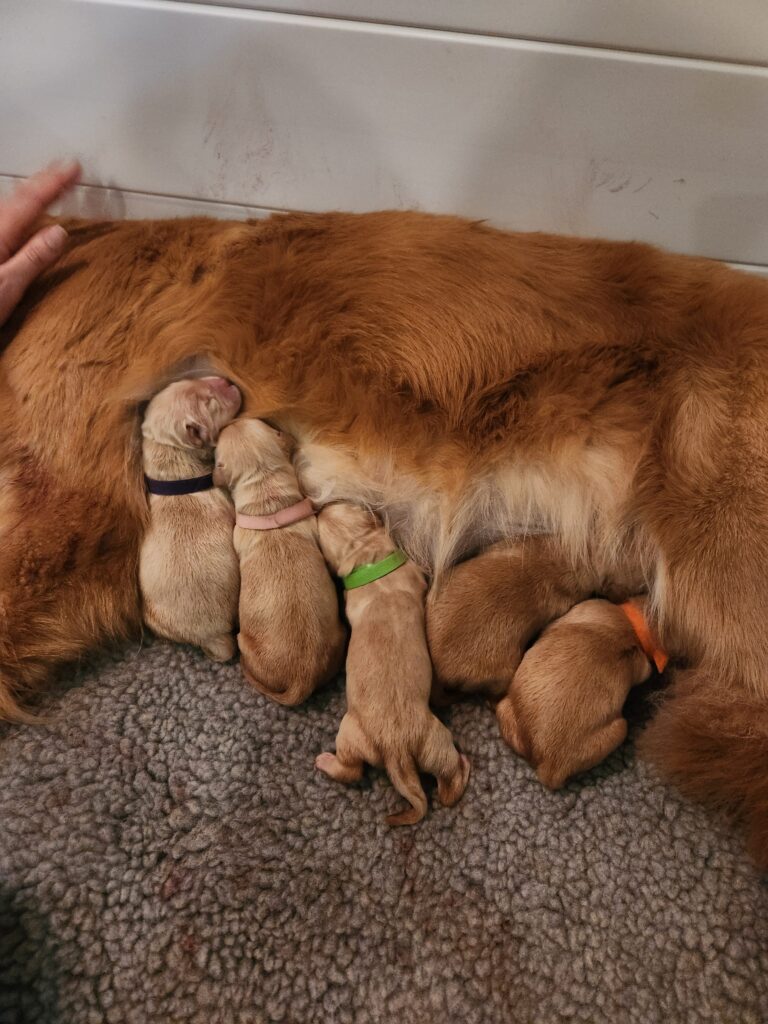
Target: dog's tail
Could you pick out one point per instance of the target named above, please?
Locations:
(11, 708)
(712, 743)
(405, 779)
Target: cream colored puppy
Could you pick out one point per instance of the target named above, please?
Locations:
(291, 637)
(389, 673)
(188, 571)
(563, 711)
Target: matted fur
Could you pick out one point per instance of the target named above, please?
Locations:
(466, 382)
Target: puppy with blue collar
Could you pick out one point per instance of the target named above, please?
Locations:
(188, 570)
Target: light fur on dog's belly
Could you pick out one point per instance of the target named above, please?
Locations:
(579, 496)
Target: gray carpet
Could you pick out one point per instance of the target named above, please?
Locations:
(168, 854)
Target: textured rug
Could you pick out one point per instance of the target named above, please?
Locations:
(168, 854)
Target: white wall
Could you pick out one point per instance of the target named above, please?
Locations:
(532, 113)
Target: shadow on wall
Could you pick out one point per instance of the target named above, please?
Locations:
(29, 972)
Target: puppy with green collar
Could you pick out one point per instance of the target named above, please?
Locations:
(388, 722)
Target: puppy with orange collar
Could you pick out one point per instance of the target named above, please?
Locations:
(389, 673)
(563, 711)
(188, 570)
(291, 638)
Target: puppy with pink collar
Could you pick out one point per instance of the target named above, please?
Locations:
(291, 638)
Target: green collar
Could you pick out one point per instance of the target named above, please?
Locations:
(372, 571)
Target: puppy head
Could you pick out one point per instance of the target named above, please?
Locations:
(563, 712)
(343, 530)
(190, 413)
(250, 448)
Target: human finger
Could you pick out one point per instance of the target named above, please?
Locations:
(17, 273)
(29, 200)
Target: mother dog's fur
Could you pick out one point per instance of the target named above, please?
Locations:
(468, 383)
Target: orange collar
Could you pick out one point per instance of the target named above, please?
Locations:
(643, 633)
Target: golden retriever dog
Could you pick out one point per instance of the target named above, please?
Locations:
(563, 711)
(469, 384)
(291, 638)
(188, 570)
(389, 674)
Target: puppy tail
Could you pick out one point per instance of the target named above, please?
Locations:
(712, 743)
(406, 781)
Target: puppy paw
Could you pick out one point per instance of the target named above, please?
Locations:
(450, 790)
(341, 771)
(326, 763)
(221, 648)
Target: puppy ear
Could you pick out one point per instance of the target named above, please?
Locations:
(219, 476)
(197, 434)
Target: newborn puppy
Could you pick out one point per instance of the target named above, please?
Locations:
(291, 638)
(188, 570)
(563, 711)
(389, 674)
(484, 614)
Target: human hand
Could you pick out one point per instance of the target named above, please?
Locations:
(21, 264)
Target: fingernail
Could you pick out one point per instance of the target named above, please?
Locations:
(71, 167)
(55, 237)
(64, 167)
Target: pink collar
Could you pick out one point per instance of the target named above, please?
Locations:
(284, 517)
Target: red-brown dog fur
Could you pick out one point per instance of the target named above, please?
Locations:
(469, 383)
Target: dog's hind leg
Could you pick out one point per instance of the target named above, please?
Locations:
(352, 752)
(68, 577)
(439, 757)
(708, 519)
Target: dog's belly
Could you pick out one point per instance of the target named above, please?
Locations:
(439, 517)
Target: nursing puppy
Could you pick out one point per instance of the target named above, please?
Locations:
(389, 674)
(485, 612)
(563, 711)
(291, 639)
(188, 570)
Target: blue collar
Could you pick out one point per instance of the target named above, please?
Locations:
(189, 486)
